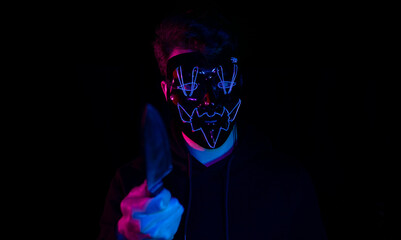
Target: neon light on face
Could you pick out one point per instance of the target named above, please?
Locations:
(225, 115)
(192, 86)
(206, 95)
(223, 84)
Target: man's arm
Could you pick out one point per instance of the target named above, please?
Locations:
(111, 211)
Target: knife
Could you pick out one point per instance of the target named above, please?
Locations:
(156, 149)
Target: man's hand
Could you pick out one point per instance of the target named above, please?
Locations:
(145, 217)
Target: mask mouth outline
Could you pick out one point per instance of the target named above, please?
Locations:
(214, 117)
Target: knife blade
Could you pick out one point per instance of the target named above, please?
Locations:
(156, 149)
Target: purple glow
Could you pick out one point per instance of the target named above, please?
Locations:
(210, 156)
(192, 143)
(220, 158)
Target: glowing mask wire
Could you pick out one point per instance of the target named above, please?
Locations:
(192, 85)
(231, 117)
(223, 84)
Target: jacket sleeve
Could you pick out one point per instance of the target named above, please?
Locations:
(111, 211)
(124, 180)
(306, 222)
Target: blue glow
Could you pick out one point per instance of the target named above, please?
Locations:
(210, 156)
(180, 108)
(194, 75)
(221, 77)
(223, 84)
(233, 77)
(178, 70)
(187, 118)
(189, 87)
(236, 111)
(192, 86)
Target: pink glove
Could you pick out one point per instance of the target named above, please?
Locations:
(145, 217)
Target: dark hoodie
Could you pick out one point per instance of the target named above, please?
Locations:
(253, 193)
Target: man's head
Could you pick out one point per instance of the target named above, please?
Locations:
(197, 58)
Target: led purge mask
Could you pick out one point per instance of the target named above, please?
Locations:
(205, 96)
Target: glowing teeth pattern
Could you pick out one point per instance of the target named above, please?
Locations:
(195, 115)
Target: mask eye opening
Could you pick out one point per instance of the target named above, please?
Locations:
(227, 84)
(187, 87)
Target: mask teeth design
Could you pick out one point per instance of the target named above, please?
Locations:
(207, 114)
(187, 118)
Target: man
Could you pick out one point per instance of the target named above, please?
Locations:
(226, 183)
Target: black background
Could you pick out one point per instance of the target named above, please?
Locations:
(309, 87)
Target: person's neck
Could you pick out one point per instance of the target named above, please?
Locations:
(209, 157)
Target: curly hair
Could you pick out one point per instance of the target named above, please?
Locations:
(206, 32)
